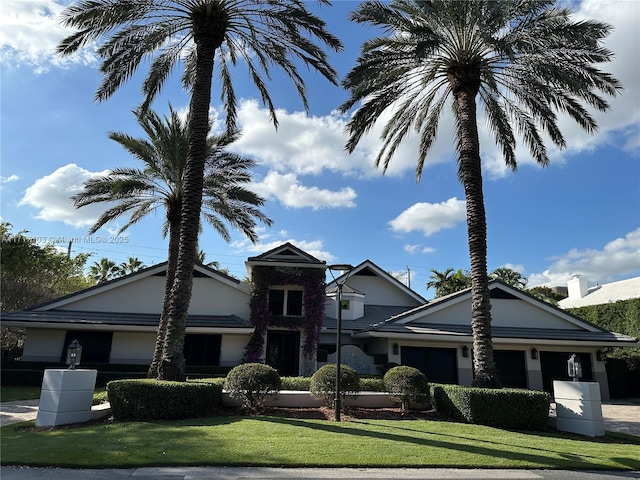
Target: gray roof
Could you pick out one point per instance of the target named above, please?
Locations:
(504, 332)
(373, 314)
(607, 293)
(24, 317)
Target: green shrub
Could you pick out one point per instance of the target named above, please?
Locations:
(371, 384)
(510, 408)
(251, 383)
(145, 399)
(296, 383)
(323, 383)
(100, 397)
(409, 386)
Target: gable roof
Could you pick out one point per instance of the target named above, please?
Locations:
(606, 293)
(199, 270)
(407, 324)
(368, 268)
(285, 255)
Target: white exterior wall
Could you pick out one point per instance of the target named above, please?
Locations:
(378, 292)
(43, 345)
(132, 347)
(146, 295)
(232, 349)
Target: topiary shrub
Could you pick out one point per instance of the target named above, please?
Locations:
(512, 408)
(370, 384)
(144, 399)
(251, 383)
(323, 383)
(408, 385)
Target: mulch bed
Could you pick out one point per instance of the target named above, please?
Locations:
(349, 413)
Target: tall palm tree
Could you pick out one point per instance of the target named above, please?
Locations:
(199, 33)
(523, 60)
(161, 184)
(103, 270)
(510, 277)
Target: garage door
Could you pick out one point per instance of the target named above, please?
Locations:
(512, 370)
(438, 364)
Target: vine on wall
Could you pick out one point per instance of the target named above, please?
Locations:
(312, 281)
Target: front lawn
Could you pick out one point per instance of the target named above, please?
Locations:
(288, 442)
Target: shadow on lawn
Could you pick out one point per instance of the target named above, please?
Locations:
(488, 448)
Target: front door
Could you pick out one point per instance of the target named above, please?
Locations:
(283, 351)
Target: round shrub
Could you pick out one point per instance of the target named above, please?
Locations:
(251, 383)
(323, 383)
(408, 385)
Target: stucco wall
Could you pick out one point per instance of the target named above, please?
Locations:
(232, 349)
(43, 345)
(132, 347)
(378, 292)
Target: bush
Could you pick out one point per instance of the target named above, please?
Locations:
(296, 383)
(251, 383)
(371, 384)
(144, 400)
(100, 397)
(323, 383)
(408, 385)
(511, 408)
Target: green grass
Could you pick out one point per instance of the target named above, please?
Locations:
(10, 393)
(275, 441)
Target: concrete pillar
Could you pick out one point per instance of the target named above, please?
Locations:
(578, 408)
(66, 397)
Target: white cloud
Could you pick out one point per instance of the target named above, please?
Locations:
(291, 194)
(430, 217)
(413, 249)
(51, 196)
(10, 178)
(617, 258)
(30, 30)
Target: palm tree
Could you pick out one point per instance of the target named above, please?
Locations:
(103, 271)
(523, 60)
(161, 185)
(132, 265)
(261, 33)
(510, 277)
(448, 281)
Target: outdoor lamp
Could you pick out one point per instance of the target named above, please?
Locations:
(465, 351)
(574, 366)
(395, 349)
(74, 352)
(340, 281)
(534, 354)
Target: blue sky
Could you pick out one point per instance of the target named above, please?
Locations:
(581, 215)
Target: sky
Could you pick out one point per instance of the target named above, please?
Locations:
(580, 215)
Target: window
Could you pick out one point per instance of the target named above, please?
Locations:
(285, 302)
(96, 346)
(202, 349)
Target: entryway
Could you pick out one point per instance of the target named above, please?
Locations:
(283, 352)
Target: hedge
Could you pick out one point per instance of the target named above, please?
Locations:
(508, 408)
(144, 400)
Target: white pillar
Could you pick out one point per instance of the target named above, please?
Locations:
(66, 397)
(578, 408)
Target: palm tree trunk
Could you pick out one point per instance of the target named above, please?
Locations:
(172, 366)
(174, 242)
(470, 173)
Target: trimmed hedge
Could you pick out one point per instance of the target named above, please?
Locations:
(296, 383)
(251, 383)
(371, 384)
(409, 386)
(323, 383)
(509, 408)
(144, 400)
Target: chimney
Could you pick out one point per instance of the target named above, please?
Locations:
(577, 287)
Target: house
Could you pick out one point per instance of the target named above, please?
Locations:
(288, 316)
(581, 295)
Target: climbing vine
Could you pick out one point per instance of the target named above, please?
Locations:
(312, 282)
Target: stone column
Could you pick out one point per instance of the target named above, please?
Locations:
(66, 397)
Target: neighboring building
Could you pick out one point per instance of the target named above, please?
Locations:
(287, 318)
(581, 295)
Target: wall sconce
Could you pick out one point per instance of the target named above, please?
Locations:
(74, 352)
(465, 351)
(574, 367)
(395, 349)
(599, 355)
(534, 354)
